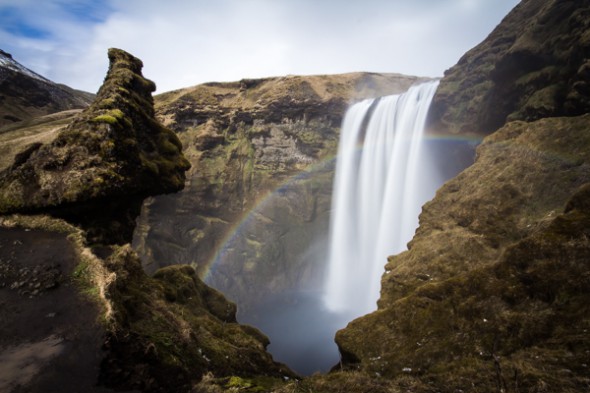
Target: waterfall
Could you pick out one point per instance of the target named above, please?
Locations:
(382, 179)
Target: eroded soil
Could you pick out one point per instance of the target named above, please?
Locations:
(50, 338)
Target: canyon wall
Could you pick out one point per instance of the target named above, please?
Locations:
(262, 168)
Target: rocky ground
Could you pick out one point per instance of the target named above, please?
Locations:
(50, 338)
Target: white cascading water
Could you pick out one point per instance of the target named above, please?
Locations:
(378, 194)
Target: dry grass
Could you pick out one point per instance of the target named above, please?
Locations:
(15, 138)
(248, 94)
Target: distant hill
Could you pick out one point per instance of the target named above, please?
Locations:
(25, 94)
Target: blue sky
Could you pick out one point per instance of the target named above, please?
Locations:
(187, 42)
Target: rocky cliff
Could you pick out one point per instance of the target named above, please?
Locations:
(492, 294)
(246, 141)
(25, 94)
(533, 65)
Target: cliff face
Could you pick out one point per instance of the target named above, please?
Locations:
(492, 294)
(533, 65)
(246, 141)
(493, 278)
(25, 94)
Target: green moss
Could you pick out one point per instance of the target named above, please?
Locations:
(112, 116)
(167, 145)
(150, 165)
(539, 77)
(9, 202)
(238, 383)
(107, 103)
(182, 325)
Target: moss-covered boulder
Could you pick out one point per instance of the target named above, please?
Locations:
(170, 330)
(535, 64)
(112, 153)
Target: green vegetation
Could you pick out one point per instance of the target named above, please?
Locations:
(114, 148)
(112, 116)
(180, 327)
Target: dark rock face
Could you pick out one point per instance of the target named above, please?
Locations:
(245, 141)
(25, 94)
(533, 65)
(172, 329)
(113, 151)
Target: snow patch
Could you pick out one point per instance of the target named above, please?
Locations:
(9, 63)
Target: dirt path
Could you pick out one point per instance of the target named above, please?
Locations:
(50, 339)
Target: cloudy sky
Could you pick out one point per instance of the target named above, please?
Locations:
(187, 42)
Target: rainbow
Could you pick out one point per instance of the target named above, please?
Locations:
(237, 228)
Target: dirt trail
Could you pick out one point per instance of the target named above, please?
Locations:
(50, 339)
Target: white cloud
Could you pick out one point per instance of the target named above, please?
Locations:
(183, 43)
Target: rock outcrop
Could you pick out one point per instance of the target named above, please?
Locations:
(535, 64)
(25, 94)
(111, 156)
(246, 141)
(170, 330)
(492, 294)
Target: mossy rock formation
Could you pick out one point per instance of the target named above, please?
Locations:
(115, 150)
(170, 330)
(154, 334)
(535, 64)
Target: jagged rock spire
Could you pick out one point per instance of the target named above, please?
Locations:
(113, 149)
